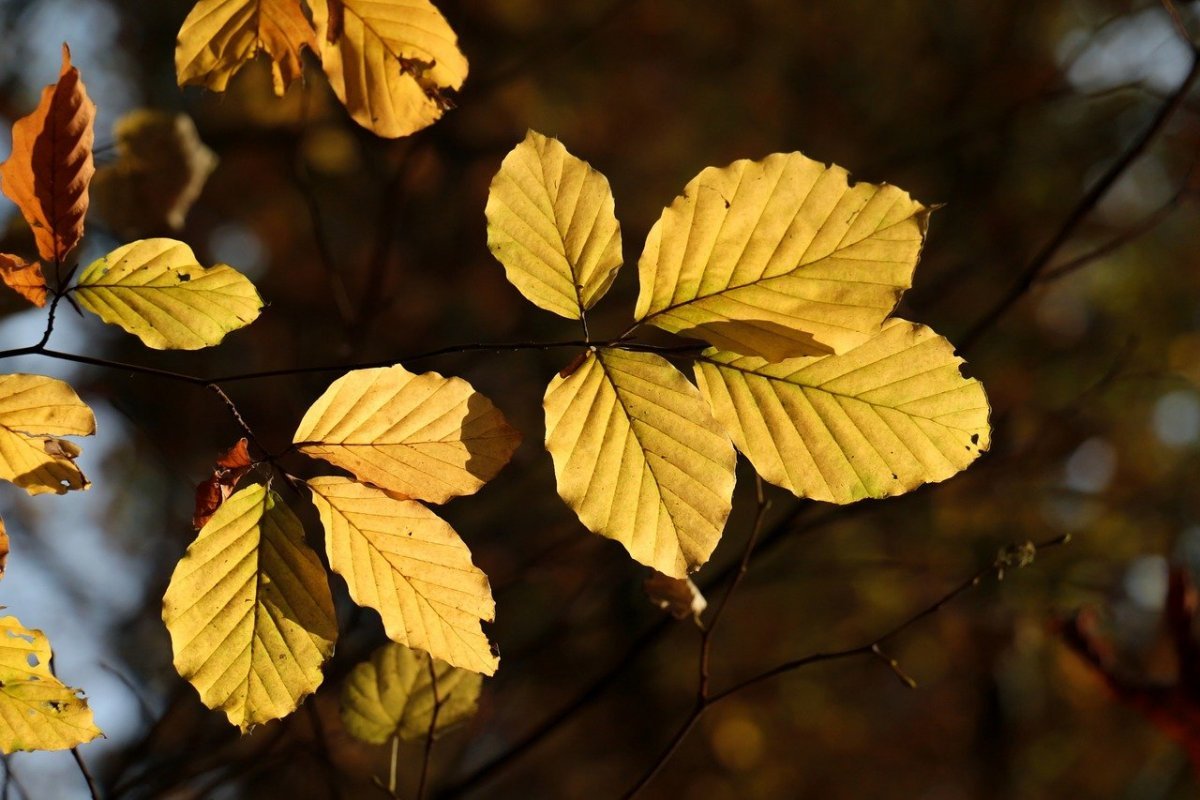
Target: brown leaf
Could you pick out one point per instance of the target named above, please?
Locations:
(160, 171)
(337, 21)
(677, 596)
(24, 277)
(232, 466)
(48, 173)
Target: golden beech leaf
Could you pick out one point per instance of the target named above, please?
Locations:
(420, 436)
(24, 277)
(160, 170)
(249, 611)
(879, 420)
(156, 290)
(404, 561)
(390, 63)
(679, 597)
(37, 710)
(552, 225)
(48, 172)
(34, 411)
(220, 36)
(392, 694)
(639, 457)
(780, 257)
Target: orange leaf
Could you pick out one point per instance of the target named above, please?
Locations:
(236, 457)
(48, 173)
(24, 277)
(232, 466)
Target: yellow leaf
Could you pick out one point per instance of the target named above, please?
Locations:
(404, 561)
(24, 277)
(880, 420)
(51, 164)
(779, 258)
(639, 457)
(249, 611)
(220, 36)
(392, 694)
(389, 63)
(34, 410)
(160, 170)
(37, 710)
(551, 224)
(156, 290)
(420, 436)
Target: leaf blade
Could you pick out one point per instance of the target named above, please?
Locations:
(24, 277)
(404, 561)
(552, 225)
(877, 421)
(249, 611)
(156, 290)
(34, 411)
(626, 418)
(779, 258)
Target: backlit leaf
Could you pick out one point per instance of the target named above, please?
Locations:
(37, 710)
(3, 547)
(156, 290)
(392, 694)
(34, 411)
(249, 611)
(879, 420)
(390, 63)
(160, 170)
(551, 224)
(24, 277)
(779, 258)
(421, 436)
(639, 457)
(48, 172)
(220, 36)
(232, 466)
(404, 561)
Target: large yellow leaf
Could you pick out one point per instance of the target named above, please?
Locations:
(156, 290)
(420, 436)
(51, 164)
(404, 561)
(249, 611)
(392, 694)
(551, 224)
(880, 420)
(390, 63)
(640, 459)
(779, 258)
(34, 411)
(219, 36)
(37, 710)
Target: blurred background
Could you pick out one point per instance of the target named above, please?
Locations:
(365, 249)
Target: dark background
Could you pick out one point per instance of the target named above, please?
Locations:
(1005, 112)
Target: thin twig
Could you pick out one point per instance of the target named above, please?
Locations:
(433, 718)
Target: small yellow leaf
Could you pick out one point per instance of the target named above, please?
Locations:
(156, 290)
(392, 694)
(780, 258)
(390, 64)
(220, 36)
(24, 277)
(880, 420)
(639, 457)
(34, 411)
(551, 224)
(420, 436)
(51, 164)
(404, 561)
(160, 170)
(249, 611)
(37, 710)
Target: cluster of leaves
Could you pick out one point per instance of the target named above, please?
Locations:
(393, 65)
(790, 273)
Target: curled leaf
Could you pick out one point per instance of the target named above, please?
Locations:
(24, 277)
(48, 173)
(34, 412)
(232, 466)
